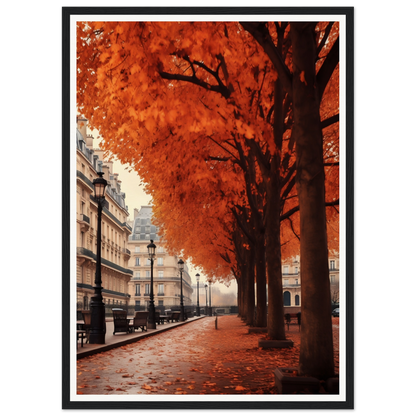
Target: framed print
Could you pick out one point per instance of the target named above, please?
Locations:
(207, 208)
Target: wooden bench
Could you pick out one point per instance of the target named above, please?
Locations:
(292, 318)
(121, 322)
(139, 321)
(175, 316)
(81, 333)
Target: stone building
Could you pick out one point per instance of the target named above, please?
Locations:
(292, 283)
(166, 275)
(114, 229)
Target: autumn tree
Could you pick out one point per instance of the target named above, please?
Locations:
(220, 110)
(306, 87)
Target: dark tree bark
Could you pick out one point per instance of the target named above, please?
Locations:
(246, 268)
(316, 351)
(275, 321)
(249, 289)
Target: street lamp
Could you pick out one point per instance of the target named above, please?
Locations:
(210, 306)
(206, 300)
(180, 265)
(197, 295)
(151, 249)
(97, 332)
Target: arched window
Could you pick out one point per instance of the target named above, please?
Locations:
(286, 298)
(297, 300)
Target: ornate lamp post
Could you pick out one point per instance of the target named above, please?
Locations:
(97, 332)
(180, 265)
(206, 300)
(151, 324)
(197, 295)
(210, 306)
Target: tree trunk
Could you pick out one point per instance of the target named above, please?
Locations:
(249, 289)
(275, 320)
(316, 351)
(261, 282)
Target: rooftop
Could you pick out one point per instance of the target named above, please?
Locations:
(143, 229)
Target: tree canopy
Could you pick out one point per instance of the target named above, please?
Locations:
(188, 105)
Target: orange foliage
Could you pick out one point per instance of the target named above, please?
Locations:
(186, 104)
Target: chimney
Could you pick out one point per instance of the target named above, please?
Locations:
(89, 140)
(82, 127)
(136, 212)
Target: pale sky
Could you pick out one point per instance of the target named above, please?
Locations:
(136, 197)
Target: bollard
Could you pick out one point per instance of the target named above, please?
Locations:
(216, 319)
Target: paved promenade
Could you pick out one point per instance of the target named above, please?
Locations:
(120, 339)
(199, 356)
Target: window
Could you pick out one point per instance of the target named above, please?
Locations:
(296, 270)
(160, 291)
(160, 303)
(137, 261)
(285, 269)
(286, 299)
(160, 249)
(147, 273)
(285, 282)
(160, 273)
(137, 249)
(160, 261)
(147, 262)
(332, 278)
(137, 305)
(137, 274)
(332, 264)
(137, 290)
(296, 281)
(297, 300)
(147, 289)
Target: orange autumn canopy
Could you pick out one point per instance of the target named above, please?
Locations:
(190, 106)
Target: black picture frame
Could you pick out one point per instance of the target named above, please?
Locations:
(351, 404)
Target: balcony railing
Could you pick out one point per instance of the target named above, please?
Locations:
(82, 251)
(84, 218)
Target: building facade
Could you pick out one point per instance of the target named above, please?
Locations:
(115, 230)
(291, 275)
(166, 275)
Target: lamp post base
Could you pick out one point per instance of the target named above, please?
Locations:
(98, 326)
(151, 323)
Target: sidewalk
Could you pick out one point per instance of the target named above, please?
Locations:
(199, 357)
(120, 339)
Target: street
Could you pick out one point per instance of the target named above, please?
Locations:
(192, 359)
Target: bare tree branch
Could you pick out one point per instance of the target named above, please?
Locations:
(193, 79)
(261, 34)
